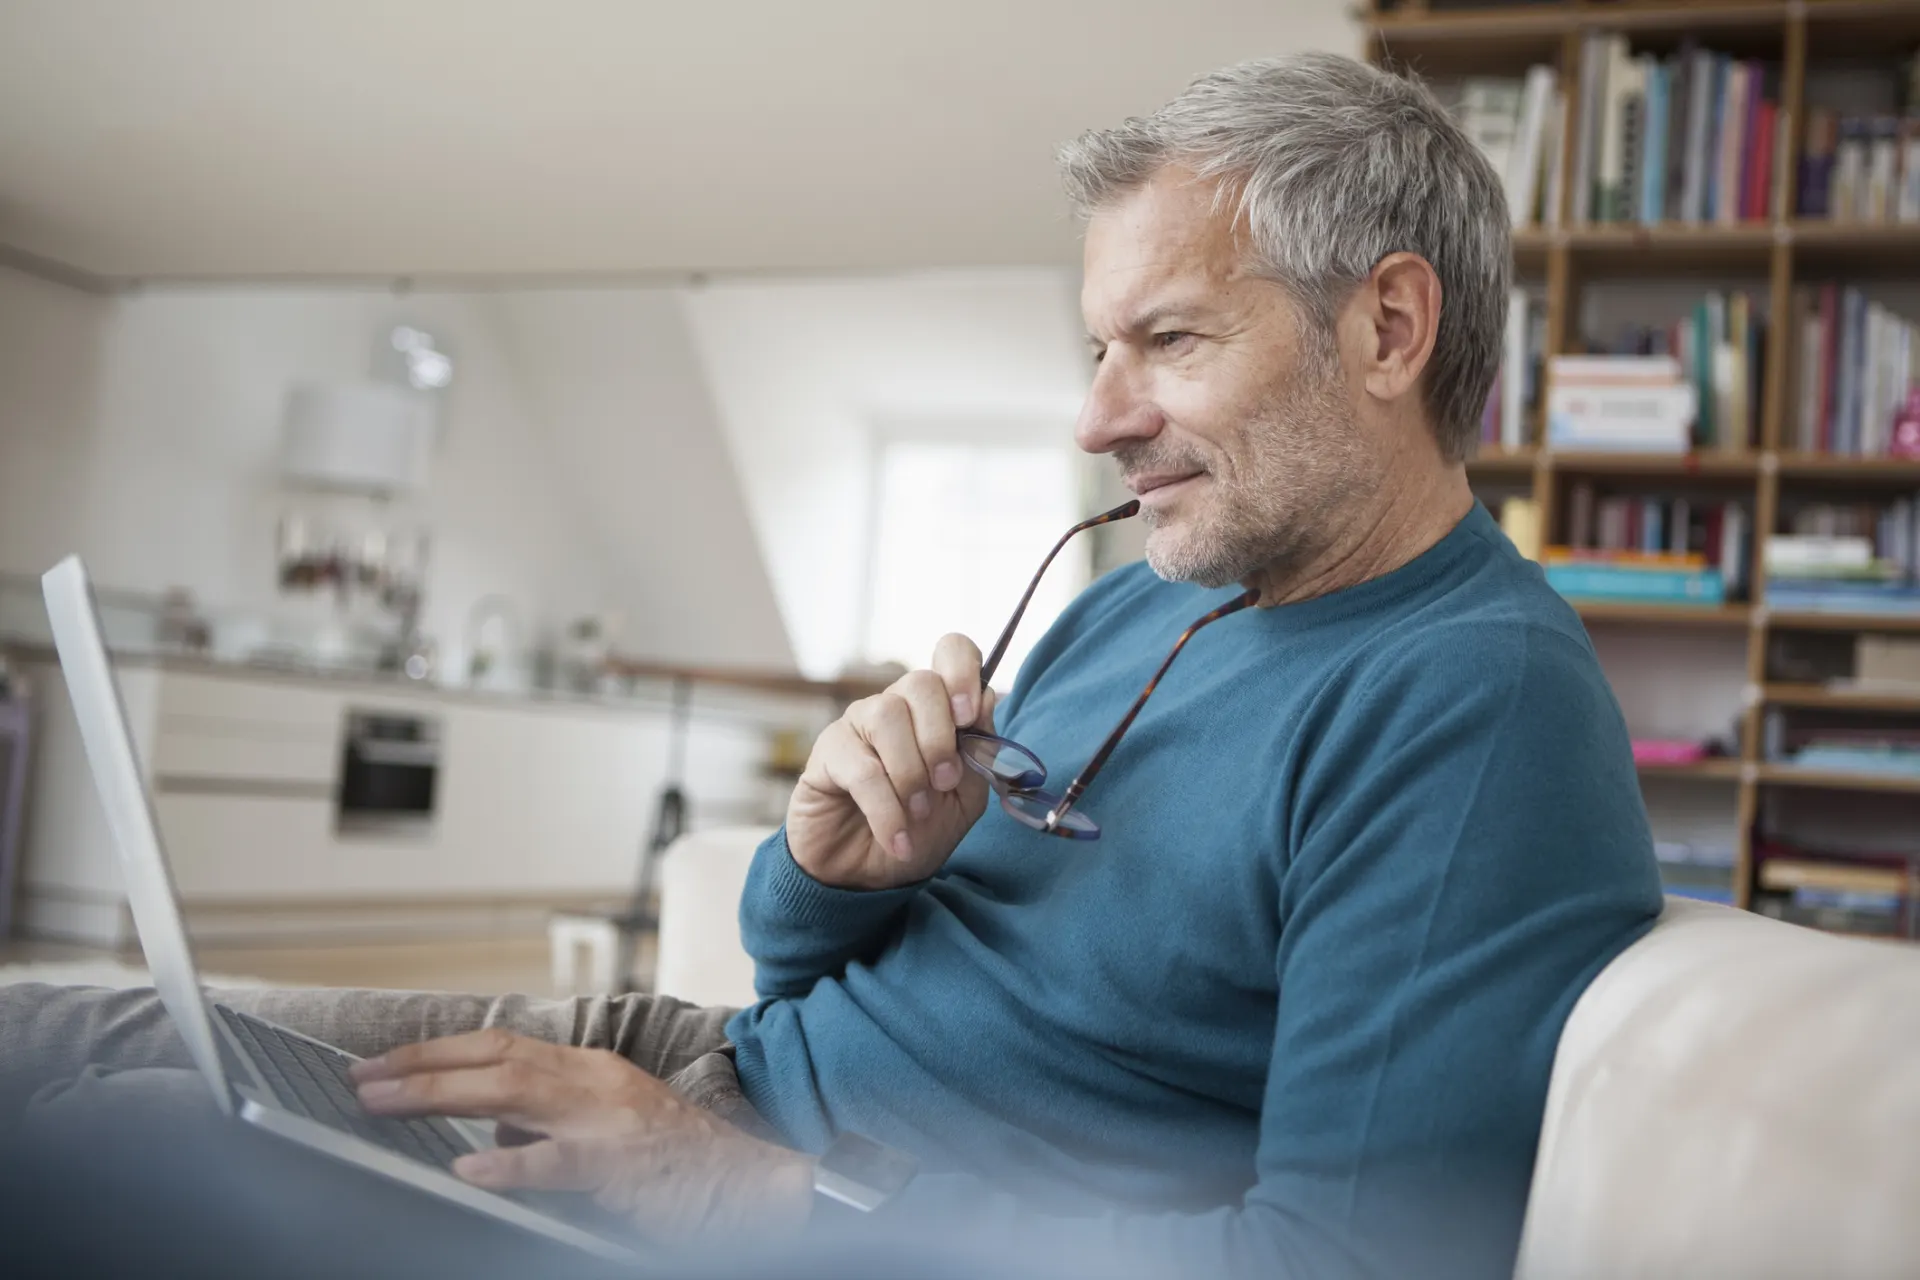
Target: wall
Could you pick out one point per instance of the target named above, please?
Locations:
(614, 381)
(143, 430)
(803, 370)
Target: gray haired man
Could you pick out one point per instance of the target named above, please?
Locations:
(1294, 1011)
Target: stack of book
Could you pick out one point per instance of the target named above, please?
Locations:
(1516, 123)
(1507, 421)
(1695, 137)
(1651, 550)
(1691, 870)
(1860, 168)
(1635, 404)
(1847, 560)
(1634, 577)
(1875, 896)
(1721, 349)
(1857, 365)
(1880, 748)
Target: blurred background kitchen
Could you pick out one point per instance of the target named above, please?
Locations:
(503, 434)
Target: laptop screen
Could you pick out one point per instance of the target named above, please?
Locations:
(123, 795)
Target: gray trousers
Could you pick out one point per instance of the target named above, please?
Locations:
(55, 1041)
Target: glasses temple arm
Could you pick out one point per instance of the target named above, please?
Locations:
(992, 664)
(1079, 785)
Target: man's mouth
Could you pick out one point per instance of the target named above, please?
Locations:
(1160, 485)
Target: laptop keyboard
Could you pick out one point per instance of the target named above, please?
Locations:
(312, 1080)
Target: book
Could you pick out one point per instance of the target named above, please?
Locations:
(1513, 397)
(1679, 89)
(1627, 583)
(1520, 521)
(1882, 151)
(1630, 419)
(1786, 552)
(1525, 172)
(1813, 184)
(1673, 559)
(1633, 110)
(1906, 205)
(1840, 877)
(1844, 195)
(1700, 91)
(1653, 155)
(1594, 52)
(1551, 152)
(1610, 165)
(1733, 133)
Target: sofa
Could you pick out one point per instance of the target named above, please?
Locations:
(1731, 1097)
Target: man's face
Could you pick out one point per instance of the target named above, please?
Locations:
(1227, 411)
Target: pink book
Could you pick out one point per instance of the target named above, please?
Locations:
(1659, 751)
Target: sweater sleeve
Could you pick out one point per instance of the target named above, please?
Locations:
(799, 930)
(1467, 849)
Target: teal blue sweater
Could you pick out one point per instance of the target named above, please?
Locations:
(1294, 1013)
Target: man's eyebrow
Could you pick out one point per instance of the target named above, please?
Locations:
(1146, 321)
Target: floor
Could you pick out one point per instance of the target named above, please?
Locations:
(487, 965)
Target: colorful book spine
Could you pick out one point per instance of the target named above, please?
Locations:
(1621, 583)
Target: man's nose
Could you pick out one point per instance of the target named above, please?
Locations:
(1118, 410)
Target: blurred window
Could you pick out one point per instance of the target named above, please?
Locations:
(959, 527)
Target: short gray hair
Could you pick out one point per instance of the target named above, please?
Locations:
(1333, 165)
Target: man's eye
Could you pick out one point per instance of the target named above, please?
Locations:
(1171, 338)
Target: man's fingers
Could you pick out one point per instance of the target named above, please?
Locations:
(546, 1165)
(929, 706)
(474, 1049)
(956, 660)
(522, 1095)
(851, 766)
(885, 721)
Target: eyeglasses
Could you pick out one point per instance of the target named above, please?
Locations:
(1015, 773)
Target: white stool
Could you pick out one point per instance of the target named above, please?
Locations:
(599, 936)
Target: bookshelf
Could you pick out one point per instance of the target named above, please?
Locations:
(1777, 253)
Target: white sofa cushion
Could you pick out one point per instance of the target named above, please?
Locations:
(701, 958)
(1734, 1097)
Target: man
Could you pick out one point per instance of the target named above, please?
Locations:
(1295, 1010)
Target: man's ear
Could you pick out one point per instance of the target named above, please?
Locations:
(1400, 307)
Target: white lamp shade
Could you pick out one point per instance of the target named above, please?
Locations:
(364, 437)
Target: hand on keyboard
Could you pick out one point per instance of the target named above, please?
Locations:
(601, 1125)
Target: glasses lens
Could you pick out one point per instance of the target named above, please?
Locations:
(1032, 808)
(1008, 764)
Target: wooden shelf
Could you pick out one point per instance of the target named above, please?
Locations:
(1706, 463)
(1787, 775)
(1783, 620)
(1551, 18)
(1716, 770)
(1825, 246)
(1685, 615)
(1503, 462)
(1841, 698)
(1669, 249)
(1849, 470)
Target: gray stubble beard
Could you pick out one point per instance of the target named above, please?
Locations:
(1308, 467)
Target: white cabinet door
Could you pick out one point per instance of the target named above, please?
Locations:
(220, 729)
(538, 799)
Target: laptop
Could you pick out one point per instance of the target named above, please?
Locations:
(290, 1085)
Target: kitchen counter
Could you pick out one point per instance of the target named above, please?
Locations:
(540, 799)
(652, 693)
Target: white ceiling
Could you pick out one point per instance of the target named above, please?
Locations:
(235, 138)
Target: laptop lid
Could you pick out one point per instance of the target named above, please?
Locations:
(136, 836)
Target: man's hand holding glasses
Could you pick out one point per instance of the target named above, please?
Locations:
(893, 785)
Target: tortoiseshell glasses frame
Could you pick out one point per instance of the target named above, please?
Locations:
(1015, 773)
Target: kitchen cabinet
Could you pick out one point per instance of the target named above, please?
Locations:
(538, 804)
